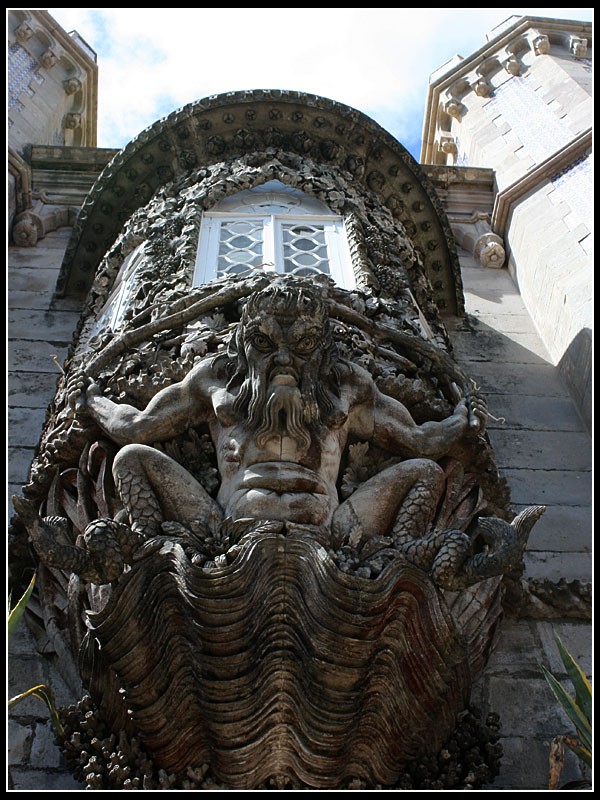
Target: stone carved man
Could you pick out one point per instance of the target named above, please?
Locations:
(281, 409)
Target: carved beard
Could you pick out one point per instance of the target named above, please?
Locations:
(288, 410)
(283, 415)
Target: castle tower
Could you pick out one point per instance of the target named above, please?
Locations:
(522, 106)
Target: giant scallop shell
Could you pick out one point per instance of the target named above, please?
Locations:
(278, 664)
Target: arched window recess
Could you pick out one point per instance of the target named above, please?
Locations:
(276, 228)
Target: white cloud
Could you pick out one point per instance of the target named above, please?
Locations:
(152, 61)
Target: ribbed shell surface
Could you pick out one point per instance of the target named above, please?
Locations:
(281, 664)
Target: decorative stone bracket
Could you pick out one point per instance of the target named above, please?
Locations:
(447, 144)
(23, 32)
(476, 236)
(512, 65)
(34, 223)
(540, 43)
(578, 46)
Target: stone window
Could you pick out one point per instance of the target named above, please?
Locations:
(276, 228)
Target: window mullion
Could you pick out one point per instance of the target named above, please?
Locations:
(206, 260)
(271, 247)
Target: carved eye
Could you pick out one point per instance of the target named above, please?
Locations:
(261, 342)
(307, 344)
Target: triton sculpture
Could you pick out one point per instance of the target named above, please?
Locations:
(289, 577)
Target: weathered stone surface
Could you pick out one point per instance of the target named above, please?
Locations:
(533, 413)
(514, 693)
(516, 379)
(19, 462)
(516, 651)
(29, 356)
(28, 324)
(44, 780)
(527, 449)
(45, 752)
(552, 487)
(328, 662)
(19, 742)
(31, 389)
(516, 348)
(577, 639)
(525, 764)
(24, 425)
(564, 529)
(30, 673)
(554, 566)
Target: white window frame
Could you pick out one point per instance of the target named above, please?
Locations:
(113, 311)
(336, 240)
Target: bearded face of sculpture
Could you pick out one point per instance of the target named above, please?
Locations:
(283, 348)
(285, 357)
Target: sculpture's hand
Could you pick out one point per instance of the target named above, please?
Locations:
(473, 407)
(80, 391)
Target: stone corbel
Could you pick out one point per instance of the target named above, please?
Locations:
(72, 85)
(540, 44)
(578, 46)
(49, 58)
(23, 33)
(475, 235)
(72, 120)
(447, 144)
(453, 108)
(512, 65)
(481, 87)
(489, 251)
(481, 83)
(32, 225)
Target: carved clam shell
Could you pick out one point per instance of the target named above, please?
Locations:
(279, 664)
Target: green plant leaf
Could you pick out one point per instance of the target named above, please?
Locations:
(17, 612)
(43, 693)
(573, 711)
(583, 689)
(580, 751)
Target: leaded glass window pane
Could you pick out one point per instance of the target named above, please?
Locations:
(240, 246)
(305, 249)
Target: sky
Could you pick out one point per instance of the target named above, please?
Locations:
(153, 61)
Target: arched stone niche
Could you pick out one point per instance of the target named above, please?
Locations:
(262, 125)
(384, 258)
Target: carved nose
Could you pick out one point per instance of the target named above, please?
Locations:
(283, 357)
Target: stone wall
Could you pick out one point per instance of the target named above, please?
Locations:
(522, 106)
(52, 83)
(498, 345)
(39, 334)
(550, 243)
(544, 451)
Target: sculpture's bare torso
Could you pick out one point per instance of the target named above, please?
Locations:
(275, 460)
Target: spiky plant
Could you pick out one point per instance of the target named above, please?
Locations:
(42, 692)
(578, 709)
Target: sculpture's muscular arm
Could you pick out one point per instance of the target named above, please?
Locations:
(174, 409)
(387, 423)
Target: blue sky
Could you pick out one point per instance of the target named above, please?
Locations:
(378, 60)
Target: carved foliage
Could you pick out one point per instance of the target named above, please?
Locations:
(268, 647)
